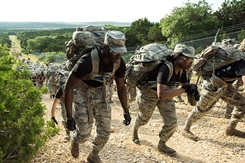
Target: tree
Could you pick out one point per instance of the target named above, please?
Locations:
(232, 12)
(188, 20)
(137, 34)
(155, 34)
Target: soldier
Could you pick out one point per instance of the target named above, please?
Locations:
(52, 74)
(59, 96)
(40, 77)
(162, 95)
(219, 85)
(91, 78)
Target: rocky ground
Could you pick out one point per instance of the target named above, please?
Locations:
(213, 146)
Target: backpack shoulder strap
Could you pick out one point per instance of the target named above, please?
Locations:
(95, 61)
(171, 69)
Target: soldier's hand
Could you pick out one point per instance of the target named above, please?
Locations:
(127, 119)
(189, 88)
(70, 124)
(54, 120)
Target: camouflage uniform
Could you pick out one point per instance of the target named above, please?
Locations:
(152, 95)
(131, 92)
(147, 101)
(210, 94)
(229, 107)
(89, 103)
(52, 87)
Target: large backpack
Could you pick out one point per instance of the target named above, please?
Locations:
(145, 61)
(215, 57)
(83, 39)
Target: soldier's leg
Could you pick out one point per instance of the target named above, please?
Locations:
(168, 113)
(147, 101)
(132, 93)
(102, 115)
(228, 111)
(83, 125)
(209, 96)
(238, 113)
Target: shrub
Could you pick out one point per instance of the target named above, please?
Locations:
(22, 127)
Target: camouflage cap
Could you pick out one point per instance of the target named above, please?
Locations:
(116, 41)
(187, 51)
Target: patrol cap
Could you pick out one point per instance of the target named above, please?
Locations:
(116, 41)
(187, 51)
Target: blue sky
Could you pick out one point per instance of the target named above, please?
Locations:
(90, 10)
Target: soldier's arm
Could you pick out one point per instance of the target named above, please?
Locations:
(56, 100)
(163, 92)
(122, 93)
(72, 83)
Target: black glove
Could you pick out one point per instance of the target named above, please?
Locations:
(193, 97)
(54, 120)
(127, 119)
(197, 95)
(189, 88)
(70, 124)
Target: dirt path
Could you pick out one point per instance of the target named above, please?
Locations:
(214, 145)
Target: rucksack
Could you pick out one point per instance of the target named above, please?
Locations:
(145, 61)
(83, 38)
(215, 57)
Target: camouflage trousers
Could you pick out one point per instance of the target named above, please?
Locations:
(131, 92)
(147, 101)
(92, 104)
(209, 97)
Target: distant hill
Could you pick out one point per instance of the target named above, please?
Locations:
(9, 26)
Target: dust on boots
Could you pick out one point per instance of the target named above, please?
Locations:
(163, 148)
(230, 131)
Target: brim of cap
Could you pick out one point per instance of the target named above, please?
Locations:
(122, 49)
(189, 55)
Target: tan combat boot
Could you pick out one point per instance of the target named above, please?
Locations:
(93, 157)
(231, 131)
(163, 148)
(74, 149)
(189, 135)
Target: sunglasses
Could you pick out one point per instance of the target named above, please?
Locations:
(187, 58)
(116, 53)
